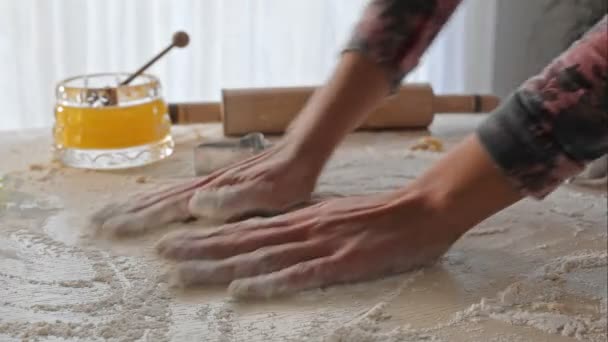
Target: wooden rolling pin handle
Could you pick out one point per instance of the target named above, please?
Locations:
(464, 103)
(199, 112)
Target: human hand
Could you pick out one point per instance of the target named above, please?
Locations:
(347, 239)
(273, 181)
(337, 241)
(268, 183)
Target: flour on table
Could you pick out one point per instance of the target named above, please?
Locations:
(488, 231)
(55, 285)
(534, 302)
(367, 327)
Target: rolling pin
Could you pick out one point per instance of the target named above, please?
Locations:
(270, 110)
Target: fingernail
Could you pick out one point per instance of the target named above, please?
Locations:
(175, 281)
(100, 216)
(171, 251)
(199, 272)
(250, 289)
(122, 226)
(160, 246)
(240, 289)
(180, 276)
(168, 240)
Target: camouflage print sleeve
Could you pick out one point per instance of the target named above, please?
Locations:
(557, 121)
(395, 33)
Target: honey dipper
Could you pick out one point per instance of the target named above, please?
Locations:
(180, 39)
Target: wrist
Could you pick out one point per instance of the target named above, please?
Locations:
(334, 110)
(465, 187)
(301, 159)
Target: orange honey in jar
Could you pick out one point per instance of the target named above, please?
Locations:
(100, 124)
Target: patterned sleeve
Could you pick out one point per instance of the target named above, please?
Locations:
(395, 33)
(557, 121)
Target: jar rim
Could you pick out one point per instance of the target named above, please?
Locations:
(144, 88)
(152, 81)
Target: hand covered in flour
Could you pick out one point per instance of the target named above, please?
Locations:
(336, 241)
(268, 183)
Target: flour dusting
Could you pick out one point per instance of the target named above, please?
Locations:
(58, 284)
(535, 301)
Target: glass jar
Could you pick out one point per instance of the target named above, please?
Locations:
(100, 124)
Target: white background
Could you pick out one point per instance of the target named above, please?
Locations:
(234, 43)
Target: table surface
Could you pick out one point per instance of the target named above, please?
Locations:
(541, 266)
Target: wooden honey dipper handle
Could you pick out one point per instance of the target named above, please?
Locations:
(180, 39)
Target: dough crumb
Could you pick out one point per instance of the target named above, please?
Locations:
(428, 144)
(141, 179)
(36, 167)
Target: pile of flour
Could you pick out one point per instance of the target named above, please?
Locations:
(533, 302)
(538, 301)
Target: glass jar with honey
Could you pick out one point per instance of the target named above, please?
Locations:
(101, 124)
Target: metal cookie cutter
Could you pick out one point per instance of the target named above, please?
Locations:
(214, 155)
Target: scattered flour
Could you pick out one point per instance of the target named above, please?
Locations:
(367, 329)
(113, 309)
(488, 231)
(577, 261)
(570, 213)
(8, 253)
(581, 327)
(534, 302)
(122, 300)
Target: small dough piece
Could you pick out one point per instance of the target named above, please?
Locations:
(36, 167)
(428, 144)
(141, 179)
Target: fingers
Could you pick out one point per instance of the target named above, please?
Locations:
(169, 210)
(150, 199)
(221, 199)
(303, 276)
(176, 247)
(179, 236)
(597, 168)
(596, 173)
(228, 202)
(99, 217)
(332, 266)
(261, 261)
(156, 199)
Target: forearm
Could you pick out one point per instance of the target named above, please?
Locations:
(385, 45)
(354, 90)
(465, 187)
(536, 139)
(556, 122)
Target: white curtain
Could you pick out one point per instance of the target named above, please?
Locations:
(234, 43)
